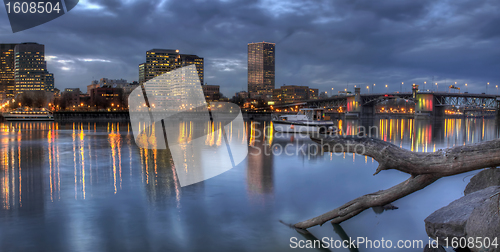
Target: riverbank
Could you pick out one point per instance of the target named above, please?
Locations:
(92, 116)
(124, 116)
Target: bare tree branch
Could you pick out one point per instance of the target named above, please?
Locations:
(425, 169)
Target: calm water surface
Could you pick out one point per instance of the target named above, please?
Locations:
(88, 187)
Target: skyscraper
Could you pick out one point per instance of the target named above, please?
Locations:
(49, 82)
(142, 73)
(7, 82)
(160, 61)
(188, 59)
(261, 70)
(30, 67)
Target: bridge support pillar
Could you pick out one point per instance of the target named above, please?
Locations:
(439, 111)
(368, 111)
(424, 105)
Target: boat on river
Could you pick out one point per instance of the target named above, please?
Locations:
(21, 115)
(307, 120)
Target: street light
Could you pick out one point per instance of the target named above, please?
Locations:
(487, 87)
(437, 87)
(386, 89)
(373, 90)
(466, 90)
(401, 89)
(368, 87)
(497, 88)
(425, 82)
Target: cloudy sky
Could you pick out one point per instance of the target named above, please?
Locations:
(323, 44)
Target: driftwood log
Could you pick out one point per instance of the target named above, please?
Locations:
(424, 168)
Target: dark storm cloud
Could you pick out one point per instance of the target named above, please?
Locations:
(323, 44)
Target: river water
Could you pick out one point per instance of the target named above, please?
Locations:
(88, 187)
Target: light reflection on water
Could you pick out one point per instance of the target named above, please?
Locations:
(86, 186)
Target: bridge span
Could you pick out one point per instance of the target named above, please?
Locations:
(415, 103)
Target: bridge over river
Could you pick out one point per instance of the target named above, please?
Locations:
(415, 103)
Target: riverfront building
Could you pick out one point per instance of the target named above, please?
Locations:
(94, 84)
(261, 70)
(106, 98)
(142, 73)
(188, 59)
(290, 94)
(160, 61)
(241, 94)
(23, 68)
(30, 67)
(7, 81)
(212, 92)
(49, 81)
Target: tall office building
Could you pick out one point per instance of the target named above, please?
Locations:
(188, 59)
(142, 73)
(30, 67)
(261, 70)
(23, 68)
(7, 82)
(49, 82)
(160, 61)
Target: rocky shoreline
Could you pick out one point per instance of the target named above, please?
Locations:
(473, 217)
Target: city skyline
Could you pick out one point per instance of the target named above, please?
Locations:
(261, 58)
(322, 45)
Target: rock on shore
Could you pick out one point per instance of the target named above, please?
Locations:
(476, 214)
(482, 180)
